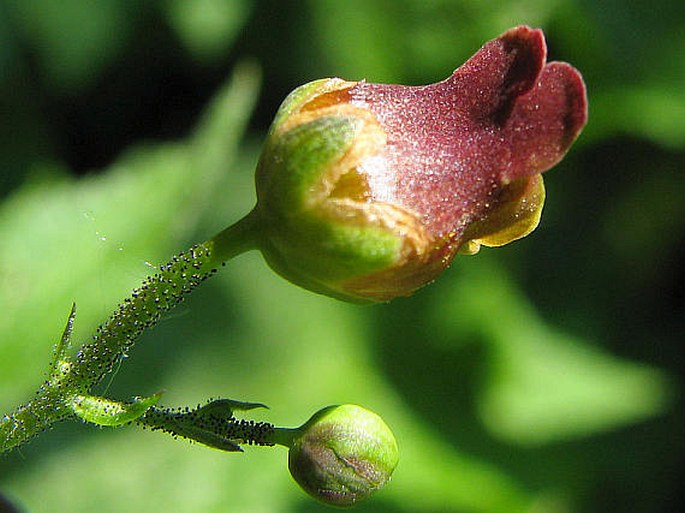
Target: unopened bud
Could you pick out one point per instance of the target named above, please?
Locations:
(343, 454)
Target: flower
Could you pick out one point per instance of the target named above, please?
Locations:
(343, 454)
(368, 191)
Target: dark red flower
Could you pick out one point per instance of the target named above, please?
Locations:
(368, 191)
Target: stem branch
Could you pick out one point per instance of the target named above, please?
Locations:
(114, 338)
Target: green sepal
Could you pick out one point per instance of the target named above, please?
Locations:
(306, 238)
(108, 412)
(226, 407)
(295, 100)
(295, 163)
(348, 251)
(213, 440)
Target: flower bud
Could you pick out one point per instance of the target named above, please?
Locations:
(343, 454)
(368, 191)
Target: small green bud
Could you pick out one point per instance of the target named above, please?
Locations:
(343, 454)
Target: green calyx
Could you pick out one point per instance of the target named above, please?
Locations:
(321, 226)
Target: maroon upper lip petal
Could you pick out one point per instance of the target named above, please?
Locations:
(505, 114)
(546, 120)
(503, 69)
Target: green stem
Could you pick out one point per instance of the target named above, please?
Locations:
(237, 238)
(30, 419)
(284, 436)
(158, 294)
(114, 338)
(213, 427)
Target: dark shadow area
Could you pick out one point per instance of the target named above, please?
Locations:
(613, 245)
(441, 381)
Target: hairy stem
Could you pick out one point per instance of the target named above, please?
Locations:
(114, 338)
(30, 419)
(220, 430)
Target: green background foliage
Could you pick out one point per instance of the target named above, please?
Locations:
(542, 377)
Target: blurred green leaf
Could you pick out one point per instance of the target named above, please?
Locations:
(74, 40)
(92, 240)
(207, 27)
(543, 385)
(652, 112)
(407, 41)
